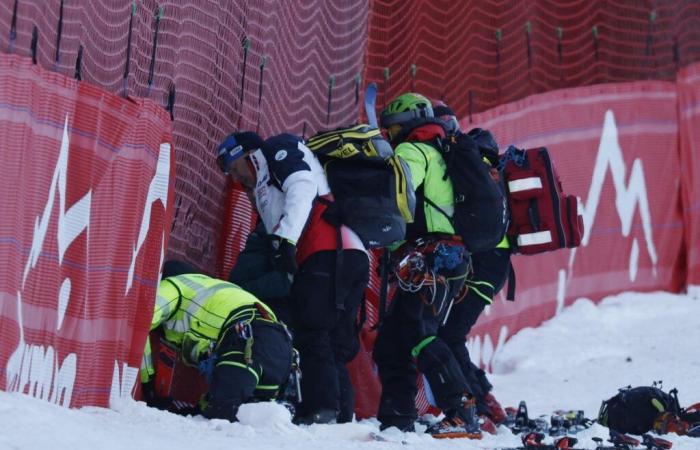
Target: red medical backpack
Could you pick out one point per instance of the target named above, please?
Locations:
(542, 217)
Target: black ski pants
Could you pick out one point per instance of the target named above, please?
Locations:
(408, 340)
(324, 317)
(490, 271)
(236, 381)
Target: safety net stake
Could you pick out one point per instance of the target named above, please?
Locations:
(152, 67)
(59, 32)
(35, 43)
(13, 29)
(78, 63)
(246, 46)
(594, 31)
(331, 84)
(414, 70)
(528, 33)
(125, 79)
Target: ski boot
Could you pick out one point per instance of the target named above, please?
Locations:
(487, 425)
(496, 412)
(459, 423)
(668, 422)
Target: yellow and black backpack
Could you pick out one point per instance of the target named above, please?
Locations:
(371, 187)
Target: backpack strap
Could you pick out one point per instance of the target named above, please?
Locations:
(384, 262)
(510, 295)
(339, 288)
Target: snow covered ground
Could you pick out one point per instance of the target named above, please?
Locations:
(572, 362)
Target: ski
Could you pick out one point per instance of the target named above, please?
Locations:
(371, 104)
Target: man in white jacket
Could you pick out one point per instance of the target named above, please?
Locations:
(329, 264)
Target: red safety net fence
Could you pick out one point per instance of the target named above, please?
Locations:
(291, 66)
(477, 54)
(689, 130)
(87, 190)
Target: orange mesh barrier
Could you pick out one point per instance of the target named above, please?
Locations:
(200, 53)
(479, 54)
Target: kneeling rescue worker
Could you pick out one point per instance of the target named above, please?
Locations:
(229, 335)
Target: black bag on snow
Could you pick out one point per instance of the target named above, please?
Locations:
(480, 215)
(634, 410)
(371, 187)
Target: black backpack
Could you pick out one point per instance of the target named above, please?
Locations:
(480, 214)
(634, 410)
(371, 187)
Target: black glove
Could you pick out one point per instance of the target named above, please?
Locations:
(284, 255)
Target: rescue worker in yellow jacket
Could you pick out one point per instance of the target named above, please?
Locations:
(229, 335)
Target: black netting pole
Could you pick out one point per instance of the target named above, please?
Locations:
(596, 43)
(13, 29)
(471, 104)
(331, 84)
(125, 82)
(263, 63)
(152, 67)
(78, 63)
(414, 70)
(528, 42)
(34, 44)
(246, 46)
(59, 32)
(676, 53)
(171, 101)
(560, 52)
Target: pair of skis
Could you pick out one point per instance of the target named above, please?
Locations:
(617, 441)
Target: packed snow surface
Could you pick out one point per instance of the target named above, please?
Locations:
(574, 361)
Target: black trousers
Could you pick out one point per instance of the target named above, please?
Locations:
(408, 340)
(324, 318)
(490, 271)
(235, 381)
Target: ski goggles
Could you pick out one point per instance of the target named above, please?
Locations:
(229, 151)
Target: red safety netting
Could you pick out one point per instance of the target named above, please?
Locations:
(479, 54)
(309, 47)
(689, 128)
(87, 190)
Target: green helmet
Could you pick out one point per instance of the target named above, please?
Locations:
(404, 108)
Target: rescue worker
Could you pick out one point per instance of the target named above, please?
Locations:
(431, 268)
(329, 265)
(228, 334)
(490, 269)
(255, 272)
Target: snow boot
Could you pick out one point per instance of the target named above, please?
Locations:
(668, 422)
(326, 416)
(458, 423)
